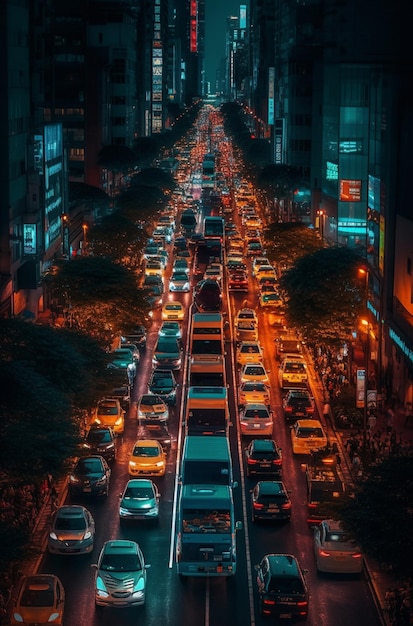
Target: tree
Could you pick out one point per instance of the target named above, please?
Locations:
(101, 297)
(117, 158)
(288, 241)
(154, 177)
(117, 238)
(323, 295)
(141, 203)
(378, 512)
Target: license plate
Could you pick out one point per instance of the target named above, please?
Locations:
(299, 414)
(257, 425)
(273, 507)
(265, 464)
(87, 489)
(286, 615)
(339, 558)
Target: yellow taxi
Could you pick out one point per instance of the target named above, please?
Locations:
(110, 413)
(307, 436)
(293, 372)
(249, 352)
(254, 371)
(173, 310)
(147, 458)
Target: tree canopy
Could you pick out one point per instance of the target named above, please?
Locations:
(102, 297)
(378, 512)
(118, 238)
(286, 242)
(324, 295)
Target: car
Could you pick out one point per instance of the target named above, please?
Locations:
(282, 589)
(147, 458)
(133, 349)
(298, 403)
(270, 300)
(170, 329)
(262, 271)
(287, 344)
(213, 273)
(179, 282)
(265, 281)
(154, 267)
(139, 500)
(263, 456)
(249, 352)
(254, 371)
(173, 310)
(246, 330)
(254, 247)
(270, 500)
(246, 314)
(162, 382)
(122, 393)
(167, 354)
(90, 476)
(208, 295)
(235, 262)
(153, 280)
(161, 258)
(101, 439)
(151, 407)
(258, 261)
(122, 358)
(181, 265)
(109, 412)
(293, 372)
(136, 336)
(154, 298)
(308, 435)
(183, 254)
(335, 551)
(151, 250)
(120, 577)
(40, 599)
(180, 243)
(238, 281)
(72, 530)
(255, 420)
(154, 429)
(255, 392)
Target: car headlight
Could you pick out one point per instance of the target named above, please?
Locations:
(140, 584)
(132, 463)
(53, 536)
(101, 481)
(73, 479)
(160, 464)
(118, 422)
(101, 588)
(87, 535)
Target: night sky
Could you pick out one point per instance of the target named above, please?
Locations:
(216, 13)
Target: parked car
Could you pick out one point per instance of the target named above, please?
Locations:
(120, 577)
(139, 500)
(335, 550)
(270, 500)
(40, 599)
(282, 589)
(263, 456)
(90, 476)
(72, 530)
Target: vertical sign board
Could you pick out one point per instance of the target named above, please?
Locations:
(360, 382)
(271, 81)
(193, 26)
(157, 71)
(278, 140)
(243, 16)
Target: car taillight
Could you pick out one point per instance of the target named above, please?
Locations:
(269, 601)
(312, 505)
(277, 462)
(286, 506)
(357, 555)
(310, 409)
(252, 461)
(288, 409)
(322, 552)
(258, 506)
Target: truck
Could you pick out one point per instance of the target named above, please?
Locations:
(206, 531)
(207, 411)
(325, 484)
(206, 460)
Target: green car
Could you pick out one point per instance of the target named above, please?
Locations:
(140, 500)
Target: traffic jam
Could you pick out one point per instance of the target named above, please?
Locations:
(199, 496)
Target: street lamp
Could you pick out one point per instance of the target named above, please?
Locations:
(320, 215)
(85, 229)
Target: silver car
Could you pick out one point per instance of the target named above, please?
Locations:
(72, 531)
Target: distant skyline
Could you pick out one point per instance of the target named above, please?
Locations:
(216, 13)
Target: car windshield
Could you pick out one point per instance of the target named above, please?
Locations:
(37, 597)
(87, 466)
(121, 563)
(254, 371)
(107, 410)
(304, 433)
(70, 523)
(256, 413)
(151, 400)
(99, 436)
(292, 367)
(147, 451)
(138, 493)
(173, 307)
(285, 585)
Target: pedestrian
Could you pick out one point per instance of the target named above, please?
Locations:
(371, 421)
(327, 411)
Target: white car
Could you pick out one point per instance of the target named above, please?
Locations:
(256, 420)
(335, 551)
(179, 282)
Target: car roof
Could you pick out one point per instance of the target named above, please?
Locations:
(263, 445)
(271, 487)
(283, 565)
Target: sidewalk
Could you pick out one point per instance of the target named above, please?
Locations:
(381, 581)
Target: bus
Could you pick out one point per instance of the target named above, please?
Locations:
(206, 531)
(206, 460)
(207, 370)
(214, 226)
(207, 411)
(207, 334)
